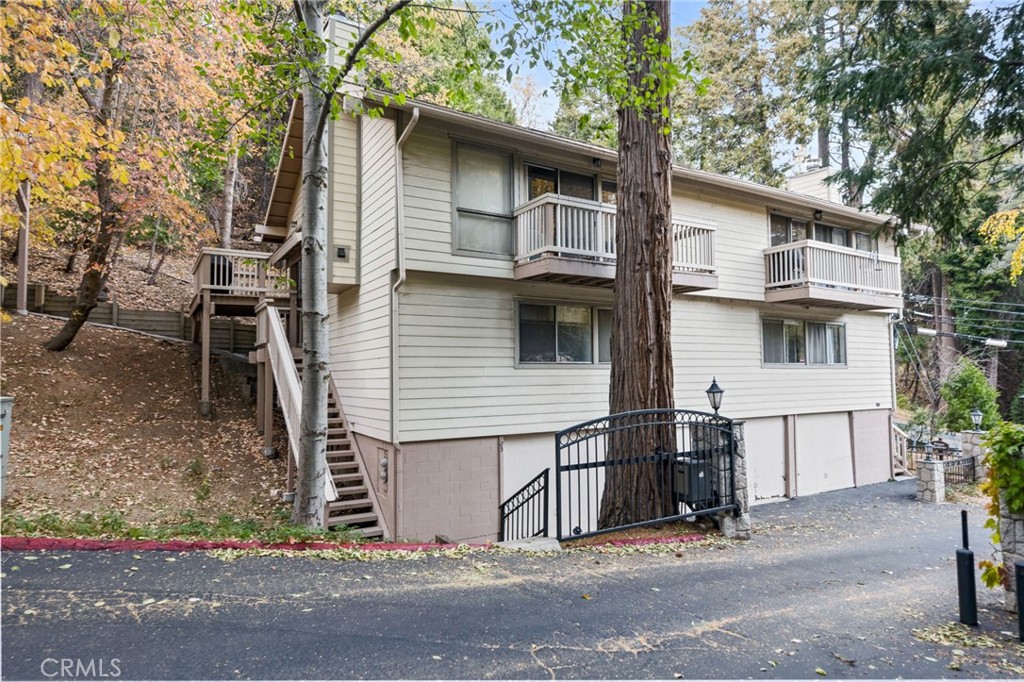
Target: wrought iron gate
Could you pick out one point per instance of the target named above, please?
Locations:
(682, 462)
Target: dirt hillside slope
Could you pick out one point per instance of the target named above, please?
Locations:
(111, 425)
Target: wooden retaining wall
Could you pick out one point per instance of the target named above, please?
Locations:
(224, 334)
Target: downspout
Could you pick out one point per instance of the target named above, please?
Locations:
(399, 281)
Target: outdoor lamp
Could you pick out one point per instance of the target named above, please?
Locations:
(715, 395)
(976, 417)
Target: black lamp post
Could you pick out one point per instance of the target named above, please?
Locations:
(976, 417)
(715, 395)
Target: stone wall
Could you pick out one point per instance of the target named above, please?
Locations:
(1011, 536)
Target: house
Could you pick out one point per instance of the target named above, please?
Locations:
(470, 300)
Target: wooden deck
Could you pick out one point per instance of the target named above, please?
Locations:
(232, 283)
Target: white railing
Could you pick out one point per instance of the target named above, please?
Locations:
(822, 264)
(238, 273)
(902, 461)
(270, 334)
(553, 224)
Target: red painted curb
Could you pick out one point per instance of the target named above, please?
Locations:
(91, 544)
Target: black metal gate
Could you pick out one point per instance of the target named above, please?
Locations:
(686, 458)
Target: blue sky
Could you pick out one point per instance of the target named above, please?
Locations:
(684, 12)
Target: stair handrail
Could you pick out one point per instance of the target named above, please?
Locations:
(900, 451)
(289, 386)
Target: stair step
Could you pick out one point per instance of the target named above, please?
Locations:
(350, 464)
(352, 491)
(341, 505)
(347, 478)
(340, 458)
(372, 532)
(349, 519)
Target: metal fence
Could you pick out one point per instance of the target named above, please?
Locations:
(642, 468)
(960, 471)
(525, 513)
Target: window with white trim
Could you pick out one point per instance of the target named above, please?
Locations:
(563, 333)
(483, 201)
(797, 342)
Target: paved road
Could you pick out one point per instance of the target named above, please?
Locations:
(836, 582)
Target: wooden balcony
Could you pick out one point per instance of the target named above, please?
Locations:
(822, 274)
(235, 281)
(572, 241)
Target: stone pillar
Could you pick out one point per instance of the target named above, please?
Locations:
(931, 481)
(1011, 541)
(736, 524)
(971, 444)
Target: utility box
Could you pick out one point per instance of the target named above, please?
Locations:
(6, 407)
(692, 481)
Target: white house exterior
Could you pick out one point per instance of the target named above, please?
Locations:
(470, 296)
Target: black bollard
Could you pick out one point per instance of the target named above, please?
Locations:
(965, 579)
(1018, 569)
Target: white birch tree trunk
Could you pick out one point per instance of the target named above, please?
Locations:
(312, 461)
(230, 176)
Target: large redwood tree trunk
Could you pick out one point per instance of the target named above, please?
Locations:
(641, 372)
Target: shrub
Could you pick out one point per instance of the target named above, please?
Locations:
(1005, 444)
(966, 389)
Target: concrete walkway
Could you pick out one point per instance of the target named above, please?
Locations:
(832, 583)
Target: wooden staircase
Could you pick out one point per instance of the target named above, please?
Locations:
(355, 506)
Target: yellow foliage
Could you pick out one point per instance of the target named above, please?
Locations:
(1008, 225)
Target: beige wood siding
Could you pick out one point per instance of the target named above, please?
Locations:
(344, 199)
(459, 378)
(741, 236)
(741, 222)
(723, 339)
(360, 317)
(428, 209)
(457, 362)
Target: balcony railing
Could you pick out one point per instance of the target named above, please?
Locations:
(230, 272)
(819, 264)
(555, 225)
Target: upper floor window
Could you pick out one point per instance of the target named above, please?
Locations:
(785, 230)
(832, 235)
(564, 333)
(483, 201)
(796, 342)
(540, 180)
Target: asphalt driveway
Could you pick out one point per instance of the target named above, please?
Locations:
(831, 585)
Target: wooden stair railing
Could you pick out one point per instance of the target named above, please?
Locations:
(902, 463)
(286, 379)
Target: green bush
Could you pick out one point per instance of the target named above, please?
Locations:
(1005, 482)
(966, 389)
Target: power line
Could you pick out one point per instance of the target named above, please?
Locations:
(924, 297)
(974, 323)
